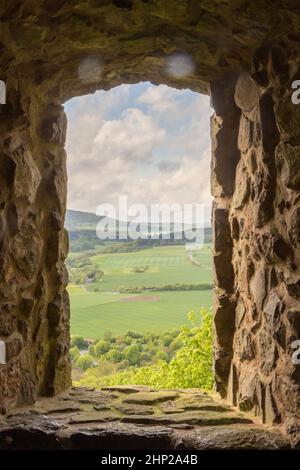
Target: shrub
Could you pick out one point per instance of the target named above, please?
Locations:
(133, 354)
(78, 341)
(162, 355)
(191, 366)
(167, 339)
(74, 353)
(85, 361)
(114, 355)
(101, 347)
(133, 334)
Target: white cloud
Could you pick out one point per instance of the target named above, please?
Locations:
(133, 137)
(160, 98)
(157, 154)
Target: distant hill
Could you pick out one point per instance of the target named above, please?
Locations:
(77, 220)
(83, 224)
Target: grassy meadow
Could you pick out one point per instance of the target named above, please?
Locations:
(98, 307)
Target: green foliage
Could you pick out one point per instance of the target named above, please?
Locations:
(108, 336)
(133, 334)
(184, 286)
(190, 367)
(78, 341)
(133, 354)
(115, 355)
(85, 362)
(130, 290)
(167, 339)
(101, 347)
(162, 355)
(179, 286)
(74, 353)
(81, 244)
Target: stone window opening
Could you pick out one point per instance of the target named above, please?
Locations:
(134, 145)
(254, 178)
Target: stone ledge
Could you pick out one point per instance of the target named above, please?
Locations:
(134, 419)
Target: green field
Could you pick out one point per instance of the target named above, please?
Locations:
(93, 313)
(166, 265)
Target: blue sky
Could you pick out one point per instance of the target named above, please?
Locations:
(151, 143)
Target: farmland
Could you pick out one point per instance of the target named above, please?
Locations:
(97, 307)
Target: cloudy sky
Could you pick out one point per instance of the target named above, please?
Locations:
(148, 142)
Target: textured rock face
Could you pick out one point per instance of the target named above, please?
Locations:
(34, 311)
(260, 256)
(53, 50)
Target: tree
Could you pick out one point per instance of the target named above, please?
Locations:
(74, 353)
(133, 354)
(190, 367)
(101, 347)
(114, 355)
(167, 339)
(85, 361)
(162, 355)
(78, 341)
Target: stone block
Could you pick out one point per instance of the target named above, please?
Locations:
(258, 286)
(246, 92)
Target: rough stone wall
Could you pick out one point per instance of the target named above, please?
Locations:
(44, 45)
(34, 311)
(256, 223)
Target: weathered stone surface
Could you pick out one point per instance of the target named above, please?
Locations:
(127, 388)
(270, 412)
(294, 224)
(290, 172)
(294, 318)
(54, 125)
(246, 92)
(244, 345)
(117, 42)
(199, 418)
(273, 307)
(27, 175)
(134, 409)
(249, 390)
(232, 387)
(70, 422)
(258, 286)
(293, 287)
(263, 195)
(240, 438)
(269, 130)
(245, 137)
(8, 324)
(242, 187)
(268, 352)
(150, 398)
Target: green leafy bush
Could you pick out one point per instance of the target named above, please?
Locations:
(133, 354)
(101, 347)
(74, 353)
(114, 355)
(78, 341)
(85, 361)
(190, 367)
